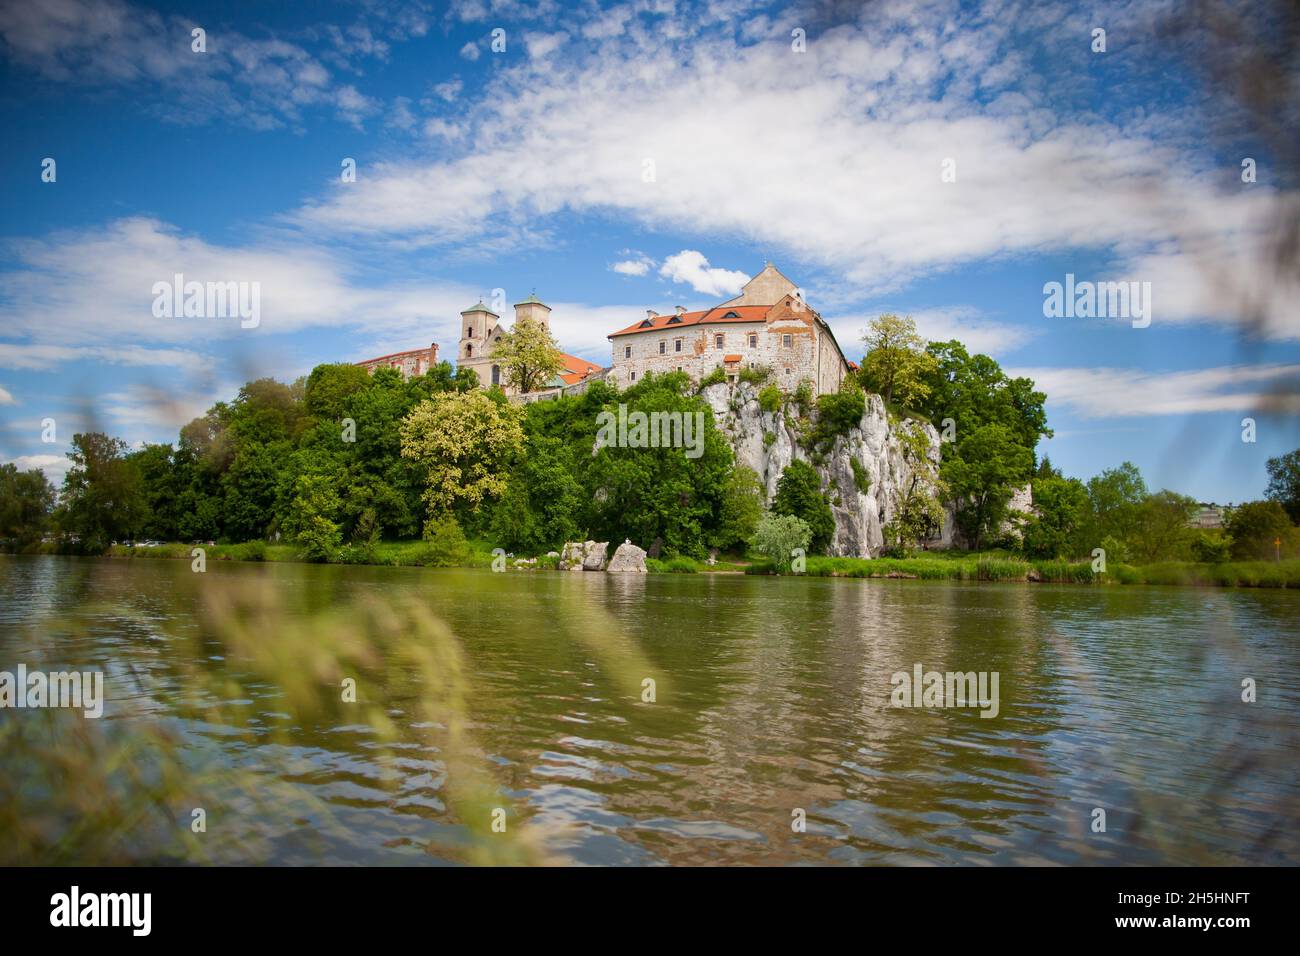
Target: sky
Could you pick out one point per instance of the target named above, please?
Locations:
(943, 160)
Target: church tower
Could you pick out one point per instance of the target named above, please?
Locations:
(477, 323)
(532, 309)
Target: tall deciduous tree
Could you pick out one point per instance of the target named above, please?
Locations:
(528, 355)
(897, 364)
(1284, 483)
(102, 495)
(463, 442)
(799, 493)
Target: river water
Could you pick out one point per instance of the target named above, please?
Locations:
(770, 738)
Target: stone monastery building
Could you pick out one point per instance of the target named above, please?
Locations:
(767, 326)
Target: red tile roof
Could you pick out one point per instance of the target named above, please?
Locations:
(721, 313)
(728, 359)
(576, 369)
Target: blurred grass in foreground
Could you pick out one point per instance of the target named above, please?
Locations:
(120, 790)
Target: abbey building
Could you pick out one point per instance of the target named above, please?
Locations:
(767, 327)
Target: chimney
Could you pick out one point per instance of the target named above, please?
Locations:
(651, 314)
(681, 310)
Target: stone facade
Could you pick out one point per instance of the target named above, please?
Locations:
(767, 326)
(412, 363)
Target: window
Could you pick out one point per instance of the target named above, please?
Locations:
(731, 315)
(677, 345)
(753, 341)
(663, 347)
(469, 349)
(717, 341)
(679, 368)
(496, 374)
(469, 333)
(787, 341)
(627, 351)
(633, 376)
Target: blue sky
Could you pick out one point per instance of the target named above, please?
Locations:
(524, 169)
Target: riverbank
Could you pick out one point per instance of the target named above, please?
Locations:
(932, 566)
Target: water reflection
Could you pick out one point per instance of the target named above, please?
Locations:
(771, 695)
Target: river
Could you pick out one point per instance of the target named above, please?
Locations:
(662, 719)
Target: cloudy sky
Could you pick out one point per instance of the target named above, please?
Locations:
(940, 159)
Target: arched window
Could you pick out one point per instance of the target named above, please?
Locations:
(469, 332)
(496, 374)
(469, 349)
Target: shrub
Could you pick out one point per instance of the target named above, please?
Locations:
(755, 374)
(444, 543)
(798, 493)
(716, 377)
(769, 399)
(778, 535)
(861, 478)
(1211, 549)
(837, 413)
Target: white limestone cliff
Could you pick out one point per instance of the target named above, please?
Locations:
(875, 444)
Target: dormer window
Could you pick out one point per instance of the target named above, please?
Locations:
(732, 315)
(646, 324)
(675, 320)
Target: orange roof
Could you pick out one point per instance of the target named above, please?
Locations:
(735, 313)
(728, 359)
(576, 369)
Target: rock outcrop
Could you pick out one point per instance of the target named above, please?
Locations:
(583, 555)
(628, 559)
(862, 496)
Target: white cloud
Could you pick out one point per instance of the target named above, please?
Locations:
(54, 466)
(851, 182)
(6, 398)
(94, 287)
(690, 266)
(470, 51)
(1133, 393)
(259, 82)
(638, 265)
(24, 356)
(542, 45)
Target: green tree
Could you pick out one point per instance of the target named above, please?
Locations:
(1061, 506)
(543, 500)
(463, 443)
(799, 493)
(897, 364)
(1163, 531)
(26, 501)
(1284, 483)
(982, 477)
(528, 355)
(1114, 498)
(740, 508)
(1255, 525)
(102, 498)
(310, 519)
(657, 494)
(776, 537)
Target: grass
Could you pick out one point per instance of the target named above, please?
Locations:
(959, 566)
(990, 566)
